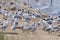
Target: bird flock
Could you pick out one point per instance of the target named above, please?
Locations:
(50, 23)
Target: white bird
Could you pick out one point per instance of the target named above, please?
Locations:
(49, 28)
(4, 25)
(25, 14)
(9, 15)
(13, 26)
(1, 10)
(25, 26)
(33, 27)
(44, 22)
(19, 12)
(32, 17)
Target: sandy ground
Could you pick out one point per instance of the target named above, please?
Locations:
(39, 34)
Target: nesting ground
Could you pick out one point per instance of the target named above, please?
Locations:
(19, 34)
